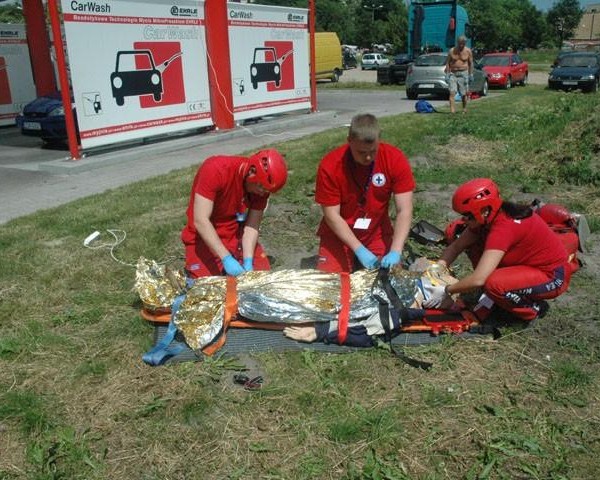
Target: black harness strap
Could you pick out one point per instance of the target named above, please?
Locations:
(383, 281)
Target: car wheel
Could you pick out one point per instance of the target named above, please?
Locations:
(120, 101)
(362, 67)
(508, 83)
(412, 94)
(594, 87)
(335, 77)
(484, 89)
(525, 79)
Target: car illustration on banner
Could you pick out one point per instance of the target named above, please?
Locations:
(127, 83)
(265, 70)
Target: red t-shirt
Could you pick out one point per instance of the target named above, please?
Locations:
(528, 241)
(363, 190)
(220, 179)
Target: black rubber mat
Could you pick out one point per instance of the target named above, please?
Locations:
(245, 340)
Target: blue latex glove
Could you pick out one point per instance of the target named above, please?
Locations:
(390, 259)
(366, 257)
(248, 264)
(232, 266)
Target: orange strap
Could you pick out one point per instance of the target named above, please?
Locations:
(344, 314)
(231, 308)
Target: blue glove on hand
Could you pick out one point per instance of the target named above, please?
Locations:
(390, 259)
(248, 264)
(232, 266)
(366, 257)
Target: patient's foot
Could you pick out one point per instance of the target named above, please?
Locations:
(301, 334)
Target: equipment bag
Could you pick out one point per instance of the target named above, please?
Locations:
(423, 106)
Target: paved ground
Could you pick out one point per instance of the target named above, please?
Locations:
(34, 178)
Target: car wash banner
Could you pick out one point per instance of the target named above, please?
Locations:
(269, 59)
(16, 80)
(138, 68)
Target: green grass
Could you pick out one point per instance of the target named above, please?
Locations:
(76, 401)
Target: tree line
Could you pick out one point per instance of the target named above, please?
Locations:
(496, 24)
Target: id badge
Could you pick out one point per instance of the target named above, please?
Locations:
(362, 223)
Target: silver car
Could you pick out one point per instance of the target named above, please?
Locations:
(426, 76)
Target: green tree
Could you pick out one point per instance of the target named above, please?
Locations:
(563, 18)
(11, 14)
(500, 24)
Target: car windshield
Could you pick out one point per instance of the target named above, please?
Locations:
(431, 61)
(578, 61)
(494, 61)
(368, 57)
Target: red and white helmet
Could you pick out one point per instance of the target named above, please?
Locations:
(270, 170)
(475, 196)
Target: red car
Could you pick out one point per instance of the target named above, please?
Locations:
(505, 69)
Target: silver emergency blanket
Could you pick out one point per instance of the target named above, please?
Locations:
(284, 296)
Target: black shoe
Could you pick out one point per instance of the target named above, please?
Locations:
(543, 307)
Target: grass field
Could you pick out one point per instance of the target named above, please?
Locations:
(77, 402)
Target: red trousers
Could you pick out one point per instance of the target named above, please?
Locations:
(200, 261)
(336, 257)
(517, 289)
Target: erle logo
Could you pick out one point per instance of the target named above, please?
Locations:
(293, 17)
(183, 12)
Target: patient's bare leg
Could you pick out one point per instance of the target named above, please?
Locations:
(306, 334)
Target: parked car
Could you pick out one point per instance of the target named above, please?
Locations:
(371, 61)
(505, 69)
(576, 70)
(426, 76)
(394, 72)
(44, 117)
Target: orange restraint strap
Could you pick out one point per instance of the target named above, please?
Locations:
(344, 314)
(231, 308)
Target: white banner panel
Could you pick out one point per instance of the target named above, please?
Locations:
(138, 68)
(16, 79)
(269, 59)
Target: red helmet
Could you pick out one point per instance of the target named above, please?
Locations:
(554, 214)
(270, 170)
(475, 196)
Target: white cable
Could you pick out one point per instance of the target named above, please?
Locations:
(89, 243)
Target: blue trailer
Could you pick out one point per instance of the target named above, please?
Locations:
(435, 26)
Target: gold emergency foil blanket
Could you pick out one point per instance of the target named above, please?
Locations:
(157, 285)
(284, 296)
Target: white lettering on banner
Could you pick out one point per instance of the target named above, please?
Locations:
(171, 33)
(277, 103)
(287, 34)
(90, 7)
(128, 127)
(242, 23)
(75, 17)
(242, 14)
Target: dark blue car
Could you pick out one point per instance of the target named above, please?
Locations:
(576, 70)
(44, 117)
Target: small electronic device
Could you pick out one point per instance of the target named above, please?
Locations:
(90, 238)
